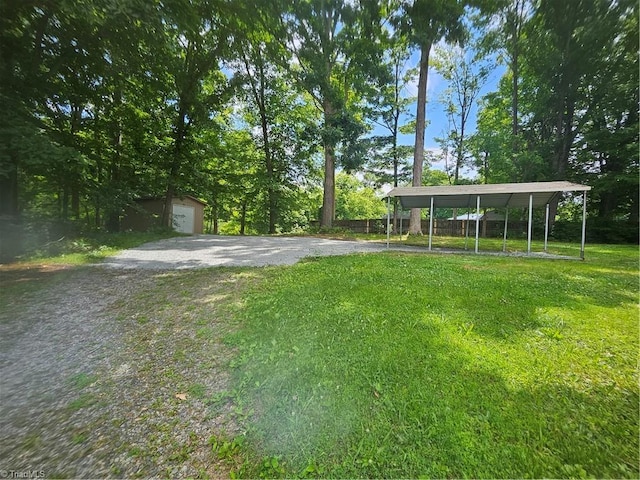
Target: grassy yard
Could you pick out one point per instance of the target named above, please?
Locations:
(403, 365)
(412, 365)
(516, 245)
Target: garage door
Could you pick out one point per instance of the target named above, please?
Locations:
(183, 218)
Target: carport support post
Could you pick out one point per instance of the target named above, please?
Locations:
(584, 224)
(388, 219)
(504, 238)
(477, 221)
(466, 228)
(529, 226)
(430, 222)
(546, 228)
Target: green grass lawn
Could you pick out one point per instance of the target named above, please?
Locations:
(439, 242)
(517, 245)
(415, 365)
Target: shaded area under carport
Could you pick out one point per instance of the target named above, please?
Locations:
(500, 195)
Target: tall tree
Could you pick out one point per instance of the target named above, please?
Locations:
(607, 156)
(388, 109)
(260, 77)
(577, 65)
(196, 43)
(465, 76)
(503, 32)
(331, 42)
(426, 22)
(27, 31)
(274, 105)
(569, 67)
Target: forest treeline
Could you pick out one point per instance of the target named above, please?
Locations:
(252, 107)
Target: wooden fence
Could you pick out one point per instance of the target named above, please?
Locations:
(441, 227)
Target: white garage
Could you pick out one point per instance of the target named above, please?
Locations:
(183, 218)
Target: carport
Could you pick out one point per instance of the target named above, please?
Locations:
(499, 195)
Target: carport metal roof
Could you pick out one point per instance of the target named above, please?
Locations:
(500, 195)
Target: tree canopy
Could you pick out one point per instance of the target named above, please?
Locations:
(253, 110)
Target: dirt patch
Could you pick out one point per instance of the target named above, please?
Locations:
(107, 373)
(15, 273)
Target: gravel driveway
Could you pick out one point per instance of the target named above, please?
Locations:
(111, 373)
(120, 371)
(200, 251)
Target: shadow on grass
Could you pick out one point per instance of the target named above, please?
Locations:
(419, 407)
(387, 366)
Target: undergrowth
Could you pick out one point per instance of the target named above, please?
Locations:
(89, 248)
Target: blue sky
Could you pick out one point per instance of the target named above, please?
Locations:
(436, 116)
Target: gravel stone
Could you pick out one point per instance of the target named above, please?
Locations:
(199, 251)
(88, 384)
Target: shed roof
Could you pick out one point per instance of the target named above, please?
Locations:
(499, 195)
(181, 197)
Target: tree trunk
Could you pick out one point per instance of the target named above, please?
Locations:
(516, 28)
(271, 185)
(514, 94)
(396, 128)
(329, 186)
(9, 228)
(564, 140)
(485, 165)
(76, 177)
(243, 216)
(259, 95)
(113, 217)
(460, 149)
(9, 189)
(214, 214)
(97, 200)
(415, 227)
(174, 170)
(64, 214)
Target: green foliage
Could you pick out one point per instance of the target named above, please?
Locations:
(225, 449)
(434, 177)
(106, 102)
(356, 201)
(465, 77)
(598, 231)
(387, 161)
(568, 68)
(334, 62)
